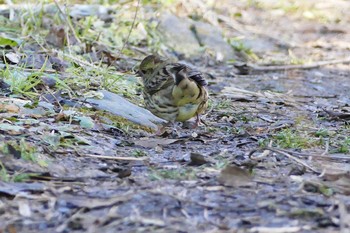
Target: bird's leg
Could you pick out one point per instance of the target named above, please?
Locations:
(198, 121)
(161, 129)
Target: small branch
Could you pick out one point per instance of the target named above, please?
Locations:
(323, 156)
(325, 152)
(114, 157)
(337, 115)
(264, 154)
(304, 67)
(50, 71)
(299, 161)
(67, 21)
(132, 27)
(85, 64)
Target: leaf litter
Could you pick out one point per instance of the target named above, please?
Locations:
(77, 151)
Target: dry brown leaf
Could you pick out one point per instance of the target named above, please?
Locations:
(9, 108)
(235, 176)
(197, 159)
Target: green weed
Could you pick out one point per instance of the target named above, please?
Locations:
(139, 153)
(288, 138)
(172, 174)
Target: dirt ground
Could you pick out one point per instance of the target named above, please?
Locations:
(272, 157)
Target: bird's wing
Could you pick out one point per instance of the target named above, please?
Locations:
(159, 79)
(182, 71)
(198, 77)
(189, 85)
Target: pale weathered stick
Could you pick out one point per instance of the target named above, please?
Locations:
(114, 157)
(296, 67)
(288, 156)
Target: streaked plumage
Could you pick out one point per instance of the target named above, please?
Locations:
(173, 91)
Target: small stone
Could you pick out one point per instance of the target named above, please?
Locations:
(158, 149)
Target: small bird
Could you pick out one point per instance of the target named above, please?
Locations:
(173, 91)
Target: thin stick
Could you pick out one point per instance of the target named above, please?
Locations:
(326, 149)
(329, 156)
(265, 153)
(67, 21)
(288, 156)
(132, 27)
(87, 64)
(305, 67)
(293, 158)
(114, 157)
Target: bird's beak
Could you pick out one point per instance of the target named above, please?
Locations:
(139, 73)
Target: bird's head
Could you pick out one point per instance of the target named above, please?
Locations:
(149, 63)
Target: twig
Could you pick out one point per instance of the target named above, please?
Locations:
(326, 149)
(67, 21)
(264, 154)
(337, 115)
(53, 95)
(132, 27)
(29, 69)
(288, 156)
(83, 63)
(305, 66)
(114, 157)
(345, 157)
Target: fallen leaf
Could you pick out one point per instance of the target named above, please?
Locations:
(91, 203)
(93, 94)
(35, 61)
(235, 176)
(197, 159)
(85, 122)
(23, 208)
(56, 36)
(14, 188)
(12, 58)
(11, 129)
(153, 142)
(9, 107)
(6, 41)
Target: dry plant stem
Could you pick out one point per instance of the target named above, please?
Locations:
(132, 27)
(299, 161)
(67, 21)
(115, 157)
(12, 11)
(264, 154)
(326, 149)
(64, 225)
(83, 63)
(344, 157)
(52, 94)
(293, 158)
(28, 69)
(185, 200)
(304, 67)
